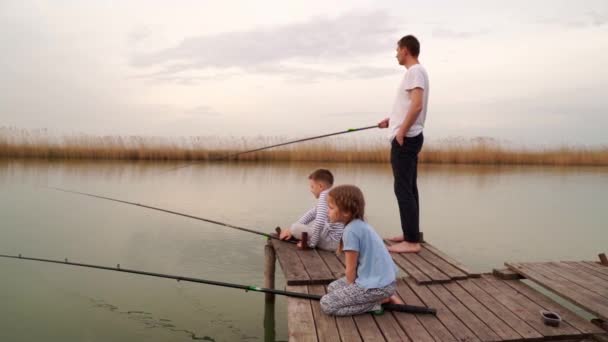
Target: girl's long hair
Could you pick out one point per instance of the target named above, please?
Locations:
(348, 199)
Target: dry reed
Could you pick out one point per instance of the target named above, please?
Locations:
(17, 143)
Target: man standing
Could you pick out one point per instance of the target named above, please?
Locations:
(405, 125)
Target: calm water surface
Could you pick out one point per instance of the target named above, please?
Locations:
(483, 216)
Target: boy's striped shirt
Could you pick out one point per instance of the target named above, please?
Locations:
(319, 214)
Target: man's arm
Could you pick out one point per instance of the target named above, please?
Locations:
(416, 96)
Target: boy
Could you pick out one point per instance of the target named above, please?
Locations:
(315, 222)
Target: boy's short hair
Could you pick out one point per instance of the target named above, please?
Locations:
(322, 175)
(411, 43)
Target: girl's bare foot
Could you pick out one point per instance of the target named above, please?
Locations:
(405, 247)
(398, 238)
(394, 299)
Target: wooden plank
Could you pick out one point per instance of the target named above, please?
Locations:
(445, 267)
(332, 262)
(598, 267)
(454, 325)
(496, 307)
(464, 314)
(506, 274)
(327, 330)
(293, 269)
(600, 324)
(410, 269)
(325, 324)
(316, 268)
(425, 328)
(583, 266)
(450, 260)
(300, 319)
(588, 281)
(531, 317)
(368, 329)
(348, 329)
(531, 311)
(425, 267)
(589, 300)
(502, 330)
(390, 328)
(547, 303)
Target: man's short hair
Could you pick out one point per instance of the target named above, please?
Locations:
(411, 43)
(322, 175)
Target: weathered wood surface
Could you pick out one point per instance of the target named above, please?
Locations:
(486, 309)
(582, 283)
(309, 267)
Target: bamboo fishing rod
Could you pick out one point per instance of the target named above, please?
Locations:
(235, 155)
(389, 307)
(270, 236)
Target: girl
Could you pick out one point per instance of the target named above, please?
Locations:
(370, 271)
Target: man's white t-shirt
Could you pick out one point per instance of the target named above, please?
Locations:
(415, 77)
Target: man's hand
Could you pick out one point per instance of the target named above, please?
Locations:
(400, 137)
(383, 123)
(285, 234)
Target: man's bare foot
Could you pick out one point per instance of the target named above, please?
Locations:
(398, 238)
(394, 299)
(405, 247)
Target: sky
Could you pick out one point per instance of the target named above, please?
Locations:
(527, 72)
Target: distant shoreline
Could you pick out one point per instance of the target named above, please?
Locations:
(22, 144)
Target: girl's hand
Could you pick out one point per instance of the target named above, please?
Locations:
(351, 261)
(300, 245)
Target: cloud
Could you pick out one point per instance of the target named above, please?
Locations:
(201, 111)
(588, 19)
(597, 19)
(452, 34)
(138, 35)
(285, 50)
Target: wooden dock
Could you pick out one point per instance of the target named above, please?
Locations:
(470, 306)
(583, 283)
(313, 267)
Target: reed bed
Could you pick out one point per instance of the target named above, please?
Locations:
(17, 143)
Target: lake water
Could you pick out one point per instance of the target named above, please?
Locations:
(482, 216)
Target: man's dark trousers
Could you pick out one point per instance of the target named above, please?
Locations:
(404, 160)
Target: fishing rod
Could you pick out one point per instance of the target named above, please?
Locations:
(389, 307)
(234, 155)
(270, 236)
